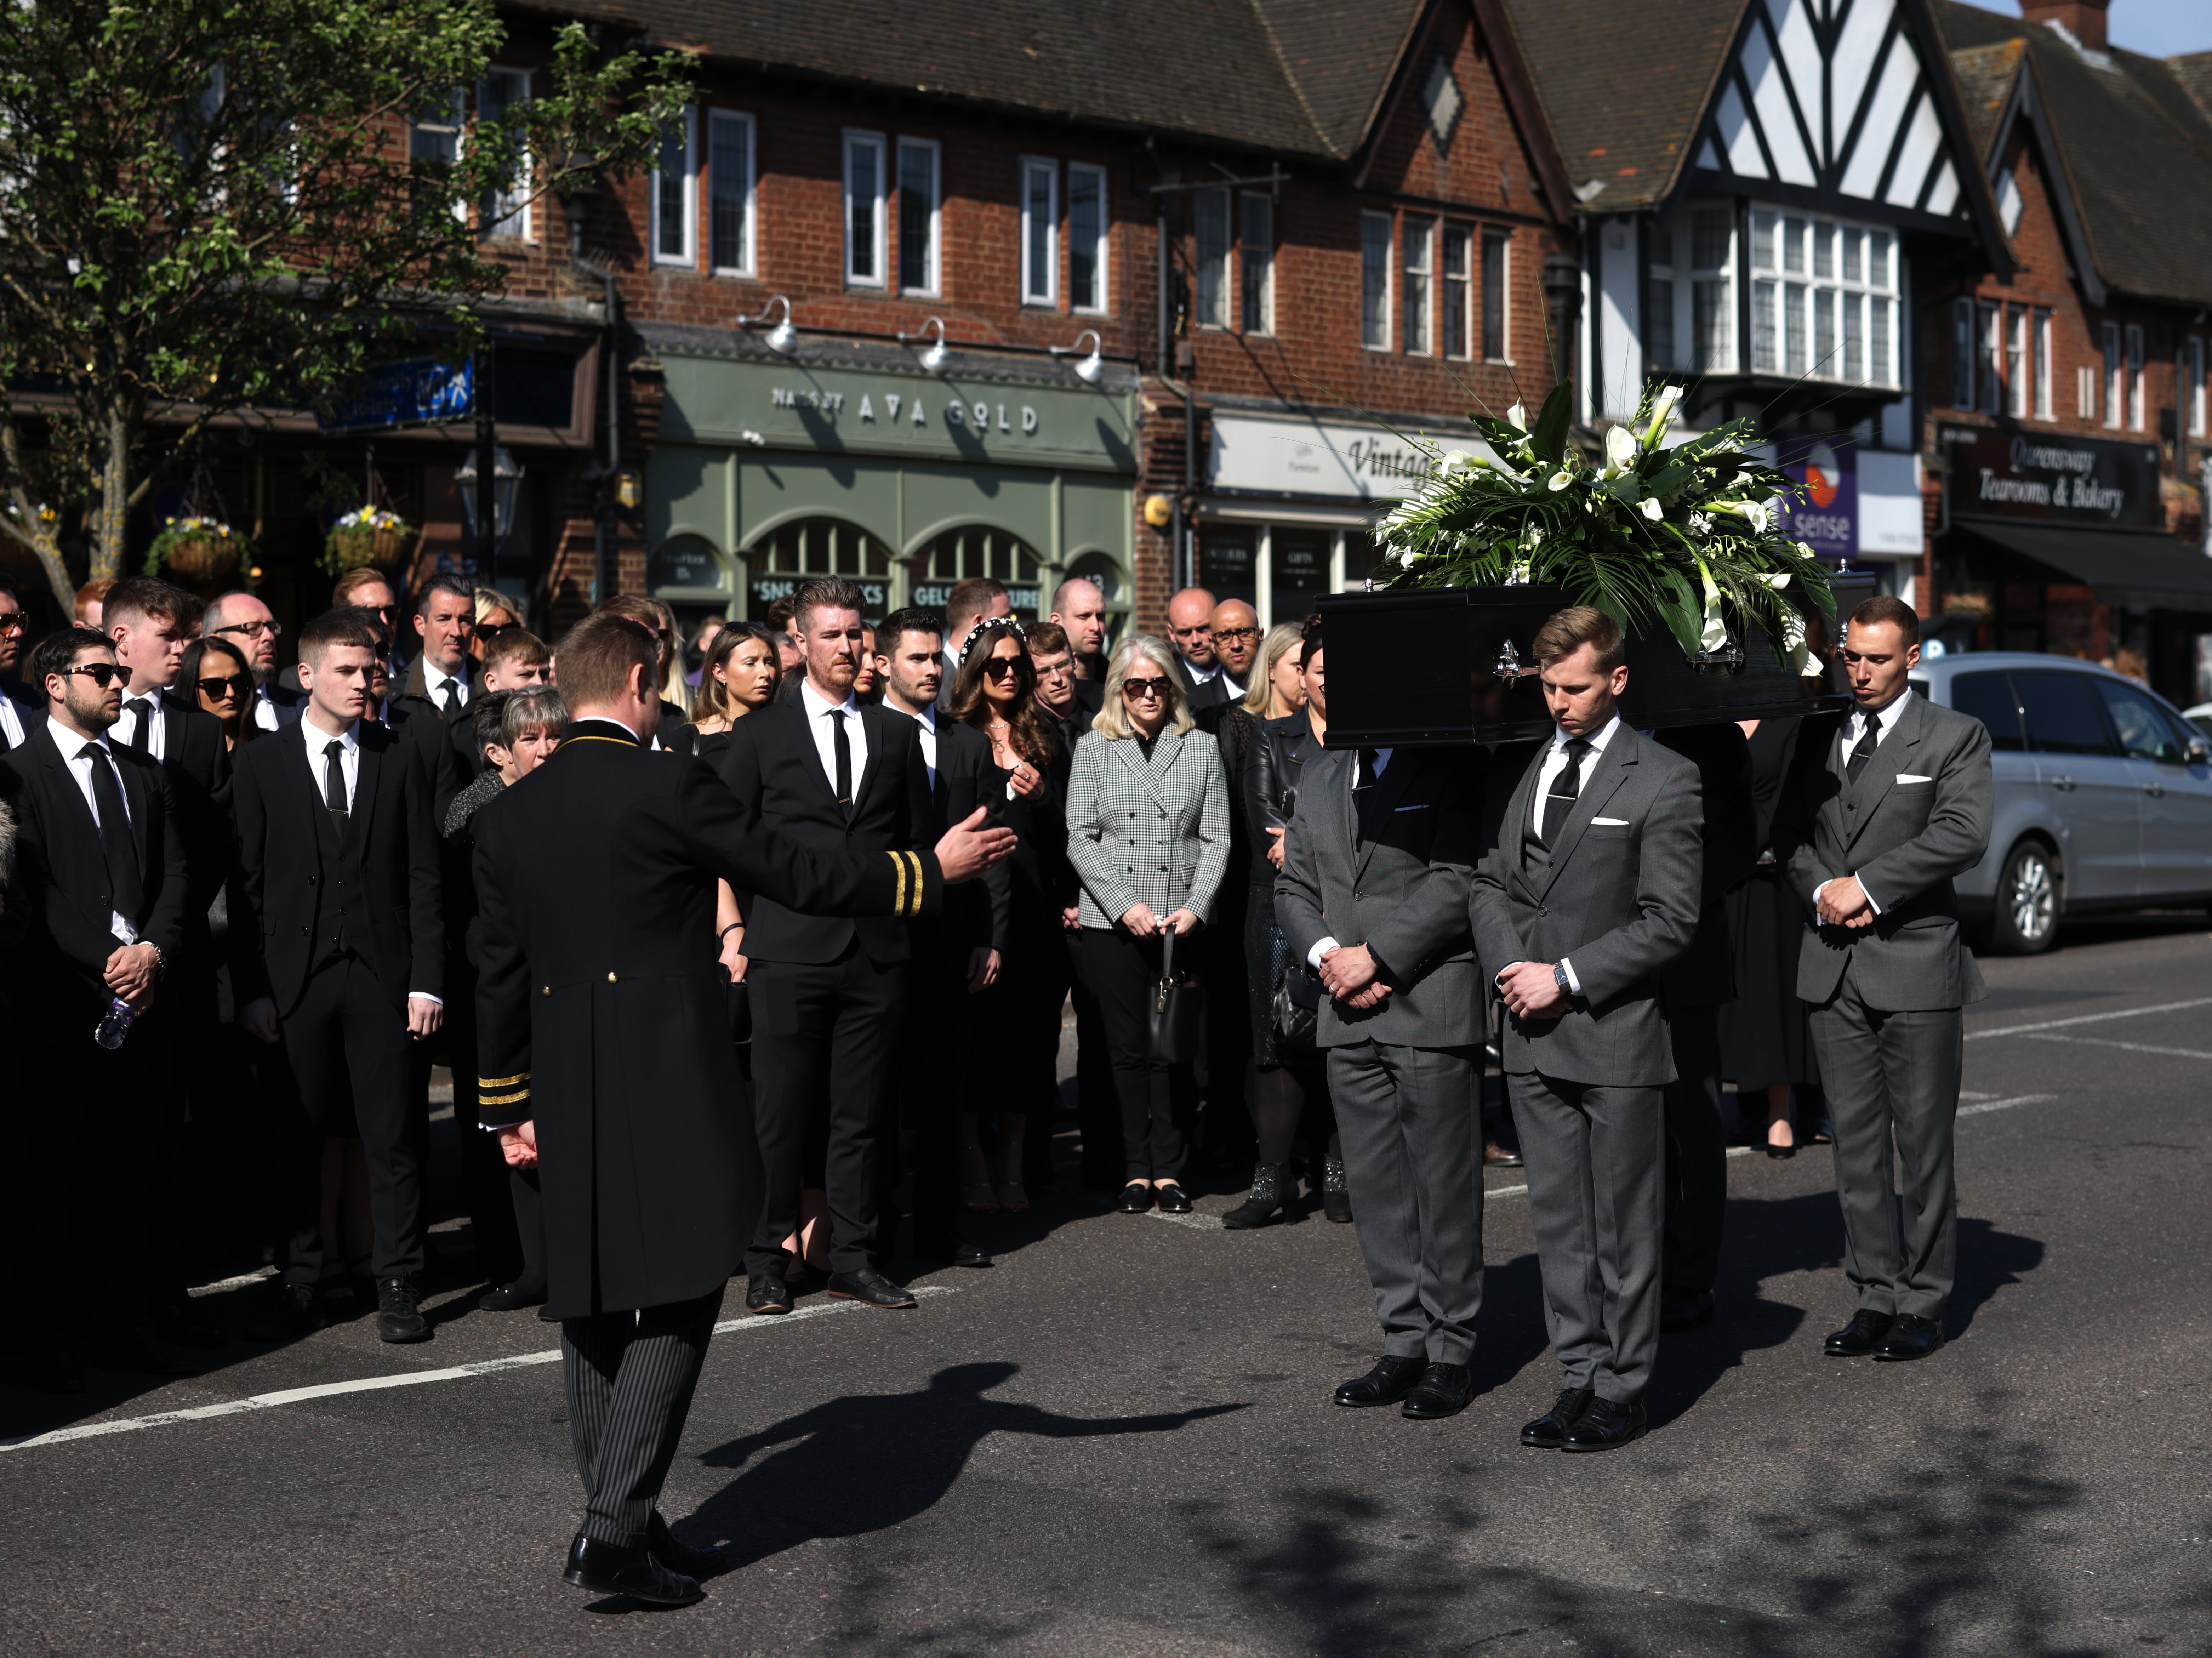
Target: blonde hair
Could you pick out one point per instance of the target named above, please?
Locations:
(487, 599)
(1112, 721)
(1280, 640)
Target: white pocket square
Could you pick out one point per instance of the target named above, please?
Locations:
(1608, 823)
(1419, 806)
(1908, 777)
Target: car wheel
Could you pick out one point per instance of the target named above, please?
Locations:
(2026, 919)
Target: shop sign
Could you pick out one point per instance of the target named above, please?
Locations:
(1827, 517)
(875, 593)
(936, 595)
(418, 392)
(2052, 479)
(1257, 455)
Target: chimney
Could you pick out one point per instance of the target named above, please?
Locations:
(2082, 19)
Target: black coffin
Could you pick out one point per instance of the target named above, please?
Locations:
(1423, 665)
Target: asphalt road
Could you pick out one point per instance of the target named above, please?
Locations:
(1120, 1440)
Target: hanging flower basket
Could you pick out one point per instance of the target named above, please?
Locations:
(197, 551)
(367, 538)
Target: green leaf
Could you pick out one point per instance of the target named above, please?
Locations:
(1678, 607)
(1548, 438)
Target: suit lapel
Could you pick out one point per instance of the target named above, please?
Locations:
(61, 780)
(1515, 824)
(365, 791)
(1880, 774)
(137, 798)
(1606, 778)
(878, 735)
(1149, 773)
(1383, 799)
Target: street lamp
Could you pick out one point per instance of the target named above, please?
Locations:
(1091, 367)
(782, 337)
(505, 478)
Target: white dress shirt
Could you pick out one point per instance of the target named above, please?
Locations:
(1326, 942)
(11, 721)
(265, 711)
(818, 708)
(434, 679)
(318, 744)
(1202, 675)
(1555, 761)
(125, 730)
(1855, 732)
(927, 720)
(80, 765)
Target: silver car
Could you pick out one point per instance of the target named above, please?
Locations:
(2104, 793)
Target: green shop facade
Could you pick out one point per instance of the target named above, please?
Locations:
(842, 457)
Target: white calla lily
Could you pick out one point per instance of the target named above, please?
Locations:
(1619, 450)
(1559, 481)
(1517, 416)
(1714, 636)
(1794, 649)
(1662, 415)
(1651, 508)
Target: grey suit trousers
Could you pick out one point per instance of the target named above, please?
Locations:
(631, 1377)
(1889, 1074)
(1410, 1122)
(1597, 1160)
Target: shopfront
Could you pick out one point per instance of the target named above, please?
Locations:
(854, 461)
(1291, 500)
(2059, 543)
(1861, 506)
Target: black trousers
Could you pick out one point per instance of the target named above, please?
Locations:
(484, 1169)
(89, 1128)
(528, 1207)
(347, 1056)
(1120, 970)
(824, 1039)
(1097, 1109)
(1697, 1153)
(938, 1024)
(630, 1376)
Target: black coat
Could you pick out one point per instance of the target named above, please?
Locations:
(429, 738)
(595, 886)
(56, 922)
(1704, 975)
(29, 710)
(197, 761)
(774, 770)
(280, 935)
(975, 916)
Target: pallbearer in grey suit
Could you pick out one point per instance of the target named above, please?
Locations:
(1373, 895)
(1589, 887)
(1881, 813)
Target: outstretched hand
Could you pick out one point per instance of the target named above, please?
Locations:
(519, 1145)
(969, 848)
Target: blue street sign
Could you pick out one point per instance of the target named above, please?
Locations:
(420, 391)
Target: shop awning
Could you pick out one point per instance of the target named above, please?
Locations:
(2121, 567)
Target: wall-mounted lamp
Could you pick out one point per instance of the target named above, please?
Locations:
(782, 337)
(936, 356)
(1091, 367)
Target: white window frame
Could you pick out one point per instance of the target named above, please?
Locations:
(1470, 256)
(688, 259)
(2136, 397)
(451, 132)
(1728, 350)
(2085, 392)
(1417, 283)
(721, 117)
(933, 282)
(854, 139)
(1989, 353)
(1101, 262)
(1040, 288)
(2116, 373)
(509, 214)
(1788, 251)
(1372, 223)
(1212, 290)
(2199, 417)
(1252, 204)
(2041, 333)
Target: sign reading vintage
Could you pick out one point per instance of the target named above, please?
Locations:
(2053, 479)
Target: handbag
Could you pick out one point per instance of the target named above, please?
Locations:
(1298, 1010)
(1177, 1014)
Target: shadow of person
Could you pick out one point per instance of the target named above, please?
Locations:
(836, 1481)
(1987, 1261)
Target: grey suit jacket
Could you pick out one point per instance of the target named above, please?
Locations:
(1620, 898)
(1905, 841)
(1391, 872)
(1154, 830)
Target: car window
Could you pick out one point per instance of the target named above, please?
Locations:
(2061, 713)
(2144, 734)
(1987, 697)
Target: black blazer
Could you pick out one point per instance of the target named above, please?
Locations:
(975, 914)
(59, 900)
(27, 709)
(286, 697)
(595, 881)
(1704, 975)
(197, 761)
(429, 739)
(286, 884)
(774, 769)
(1216, 692)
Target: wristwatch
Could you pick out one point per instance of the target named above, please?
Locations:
(1560, 978)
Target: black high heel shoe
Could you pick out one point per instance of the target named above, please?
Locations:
(1788, 1150)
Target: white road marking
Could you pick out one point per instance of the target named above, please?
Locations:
(402, 1379)
(2089, 1019)
(2131, 1047)
(2006, 1105)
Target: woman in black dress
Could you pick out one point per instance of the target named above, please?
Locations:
(1767, 1046)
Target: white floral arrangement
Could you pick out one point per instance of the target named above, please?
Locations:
(1686, 537)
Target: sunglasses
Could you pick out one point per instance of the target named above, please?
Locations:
(213, 690)
(999, 665)
(102, 674)
(494, 629)
(1147, 688)
(13, 622)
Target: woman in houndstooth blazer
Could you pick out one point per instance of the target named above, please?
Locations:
(1148, 835)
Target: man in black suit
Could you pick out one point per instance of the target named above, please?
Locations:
(244, 621)
(95, 913)
(1190, 624)
(442, 679)
(827, 993)
(1078, 610)
(957, 952)
(343, 957)
(18, 708)
(595, 878)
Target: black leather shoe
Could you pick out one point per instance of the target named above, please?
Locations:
(512, 1298)
(1136, 1197)
(134, 1348)
(1605, 1426)
(1171, 1198)
(1860, 1336)
(606, 1569)
(958, 1251)
(176, 1323)
(398, 1318)
(1910, 1337)
(1549, 1431)
(294, 1310)
(1392, 1377)
(1444, 1390)
(869, 1285)
(1685, 1310)
(680, 1558)
(765, 1292)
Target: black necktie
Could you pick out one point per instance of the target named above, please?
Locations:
(450, 699)
(143, 709)
(1869, 740)
(334, 788)
(115, 842)
(1566, 784)
(842, 747)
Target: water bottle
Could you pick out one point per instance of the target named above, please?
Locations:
(115, 1024)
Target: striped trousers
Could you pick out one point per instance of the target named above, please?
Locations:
(631, 1377)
